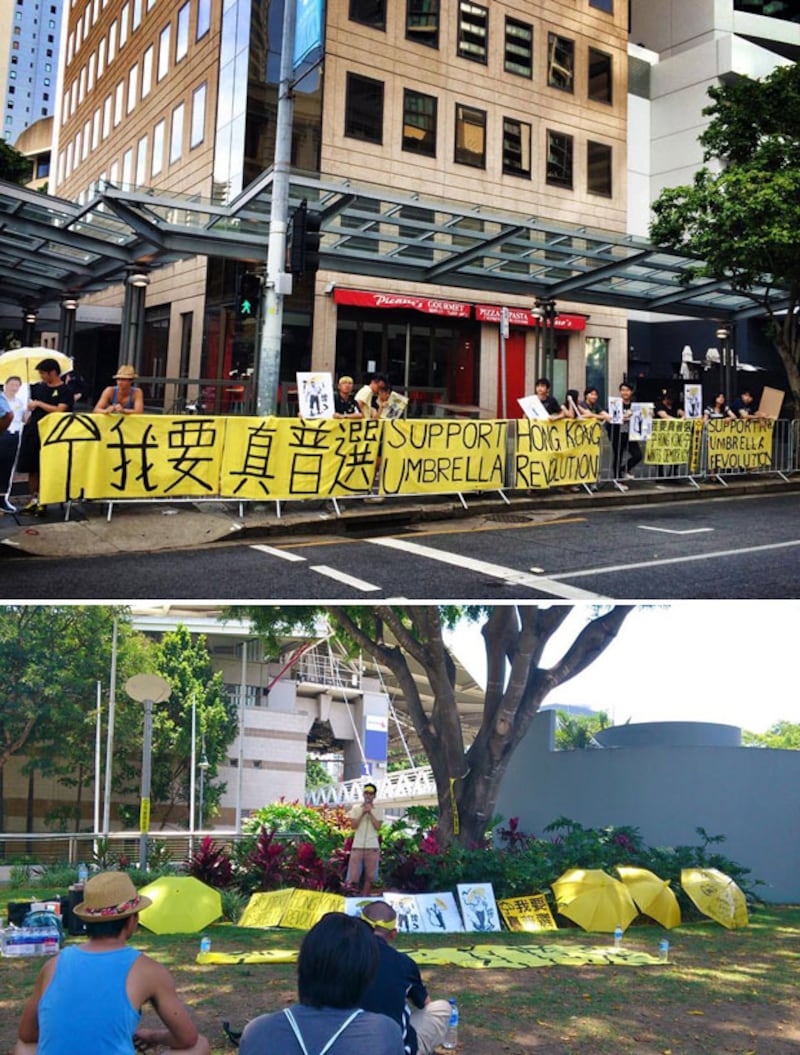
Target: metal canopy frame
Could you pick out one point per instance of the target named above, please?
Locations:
(51, 248)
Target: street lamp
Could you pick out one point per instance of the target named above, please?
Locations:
(723, 333)
(545, 310)
(202, 765)
(146, 689)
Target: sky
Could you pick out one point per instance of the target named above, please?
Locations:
(733, 662)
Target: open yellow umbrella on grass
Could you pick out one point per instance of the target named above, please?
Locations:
(181, 905)
(651, 894)
(21, 363)
(594, 900)
(716, 895)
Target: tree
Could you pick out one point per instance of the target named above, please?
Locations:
(184, 662)
(574, 732)
(743, 220)
(317, 776)
(14, 166)
(48, 696)
(468, 776)
(784, 735)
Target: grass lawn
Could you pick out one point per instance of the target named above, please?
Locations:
(723, 991)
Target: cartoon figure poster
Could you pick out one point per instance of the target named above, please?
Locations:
(693, 401)
(478, 906)
(315, 395)
(354, 906)
(439, 913)
(409, 919)
(615, 409)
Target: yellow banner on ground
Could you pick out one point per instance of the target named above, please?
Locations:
(670, 442)
(734, 445)
(441, 455)
(129, 456)
(307, 907)
(557, 453)
(476, 956)
(527, 913)
(292, 458)
(267, 908)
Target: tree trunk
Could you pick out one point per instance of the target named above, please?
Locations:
(29, 812)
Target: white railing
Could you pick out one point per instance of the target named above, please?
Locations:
(405, 787)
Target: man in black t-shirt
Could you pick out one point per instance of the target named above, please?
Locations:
(344, 402)
(551, 405)
(627, 452)
(398, 983)
(50, 395)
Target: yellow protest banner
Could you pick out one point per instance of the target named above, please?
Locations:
(144, 815)
(736, 445)
(670, 442)
(527, 913)
(306, 907)
(266, 909)
(554, 453)
(697, 446)
(292, 458)
(442, 455)
(129, 456)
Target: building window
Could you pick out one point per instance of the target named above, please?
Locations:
(422, 22)
(369, 13)
(600, 79)
(559, 159)
(176, 136)
(124, 17)
(112, 41)
(96, 129)
(597, 365)
(147, 71)
(364, 109)
(598, 168)
(603, 5)
(101, 57)
(182, 33)
(198, 129)
(470, 136)
(519, 48)
(141, 161)
(560, 62)
(118, 103)
(157, 164)
(136, 17)
(419, 123)
(106, 117)
(163, 53)
(203, 18)
(127, 167)
(473, 31)
(133, 82)
(516, 147)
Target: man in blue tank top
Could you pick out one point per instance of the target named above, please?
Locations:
(89, 998)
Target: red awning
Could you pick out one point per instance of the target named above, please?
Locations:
(430, 305)
(523, 317)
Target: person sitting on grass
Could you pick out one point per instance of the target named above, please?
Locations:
(88, 998)
(338, 959)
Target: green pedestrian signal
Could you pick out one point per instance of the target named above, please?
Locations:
(249, 296)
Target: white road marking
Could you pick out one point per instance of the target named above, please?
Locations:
(273, 552)
(497, 571)
(679, 560)
(674, 531)
(348, 580)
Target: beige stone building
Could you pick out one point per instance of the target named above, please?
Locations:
(501, 110)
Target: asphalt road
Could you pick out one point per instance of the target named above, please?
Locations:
(742, 547)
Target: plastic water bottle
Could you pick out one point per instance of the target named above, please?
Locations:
(663, 950)
(451, 1036)
(205, 943)
(83, 874)
(618, 938)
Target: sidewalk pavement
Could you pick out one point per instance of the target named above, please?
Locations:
(143, 527)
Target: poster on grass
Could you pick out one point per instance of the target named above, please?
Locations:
(439, 913)
(527, 913)
(478, 906)
(409, 919)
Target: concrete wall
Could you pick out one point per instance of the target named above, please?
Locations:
(750, 795)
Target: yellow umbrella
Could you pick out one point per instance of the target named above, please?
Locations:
(602, 908)
(716, 895)
(652, 895)
(181, 905)
(21, 362)
(577, 881)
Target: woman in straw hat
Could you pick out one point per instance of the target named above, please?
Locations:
(123, 397)
(89, 997)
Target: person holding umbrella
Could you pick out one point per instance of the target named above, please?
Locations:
(89, 997)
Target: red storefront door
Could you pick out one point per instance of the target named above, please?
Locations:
(515, 374)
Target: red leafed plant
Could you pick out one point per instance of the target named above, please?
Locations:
(211, 864)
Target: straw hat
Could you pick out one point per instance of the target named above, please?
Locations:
(126, 373)
(108, 896)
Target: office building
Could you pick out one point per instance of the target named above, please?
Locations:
(28, 62)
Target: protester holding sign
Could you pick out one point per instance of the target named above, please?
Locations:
(627, 453)
(49, 396)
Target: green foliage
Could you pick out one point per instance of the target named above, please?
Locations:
(234, 903)
(325, 826)
(783, 735)
(211, 864)
(575, 732)
(743, 219)
(14, 166)
(20, 876)
(317, 776)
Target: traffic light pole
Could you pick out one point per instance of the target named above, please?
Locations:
(277, 280)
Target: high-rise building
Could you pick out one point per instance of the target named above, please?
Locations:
(28, 62)
(513, 112)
